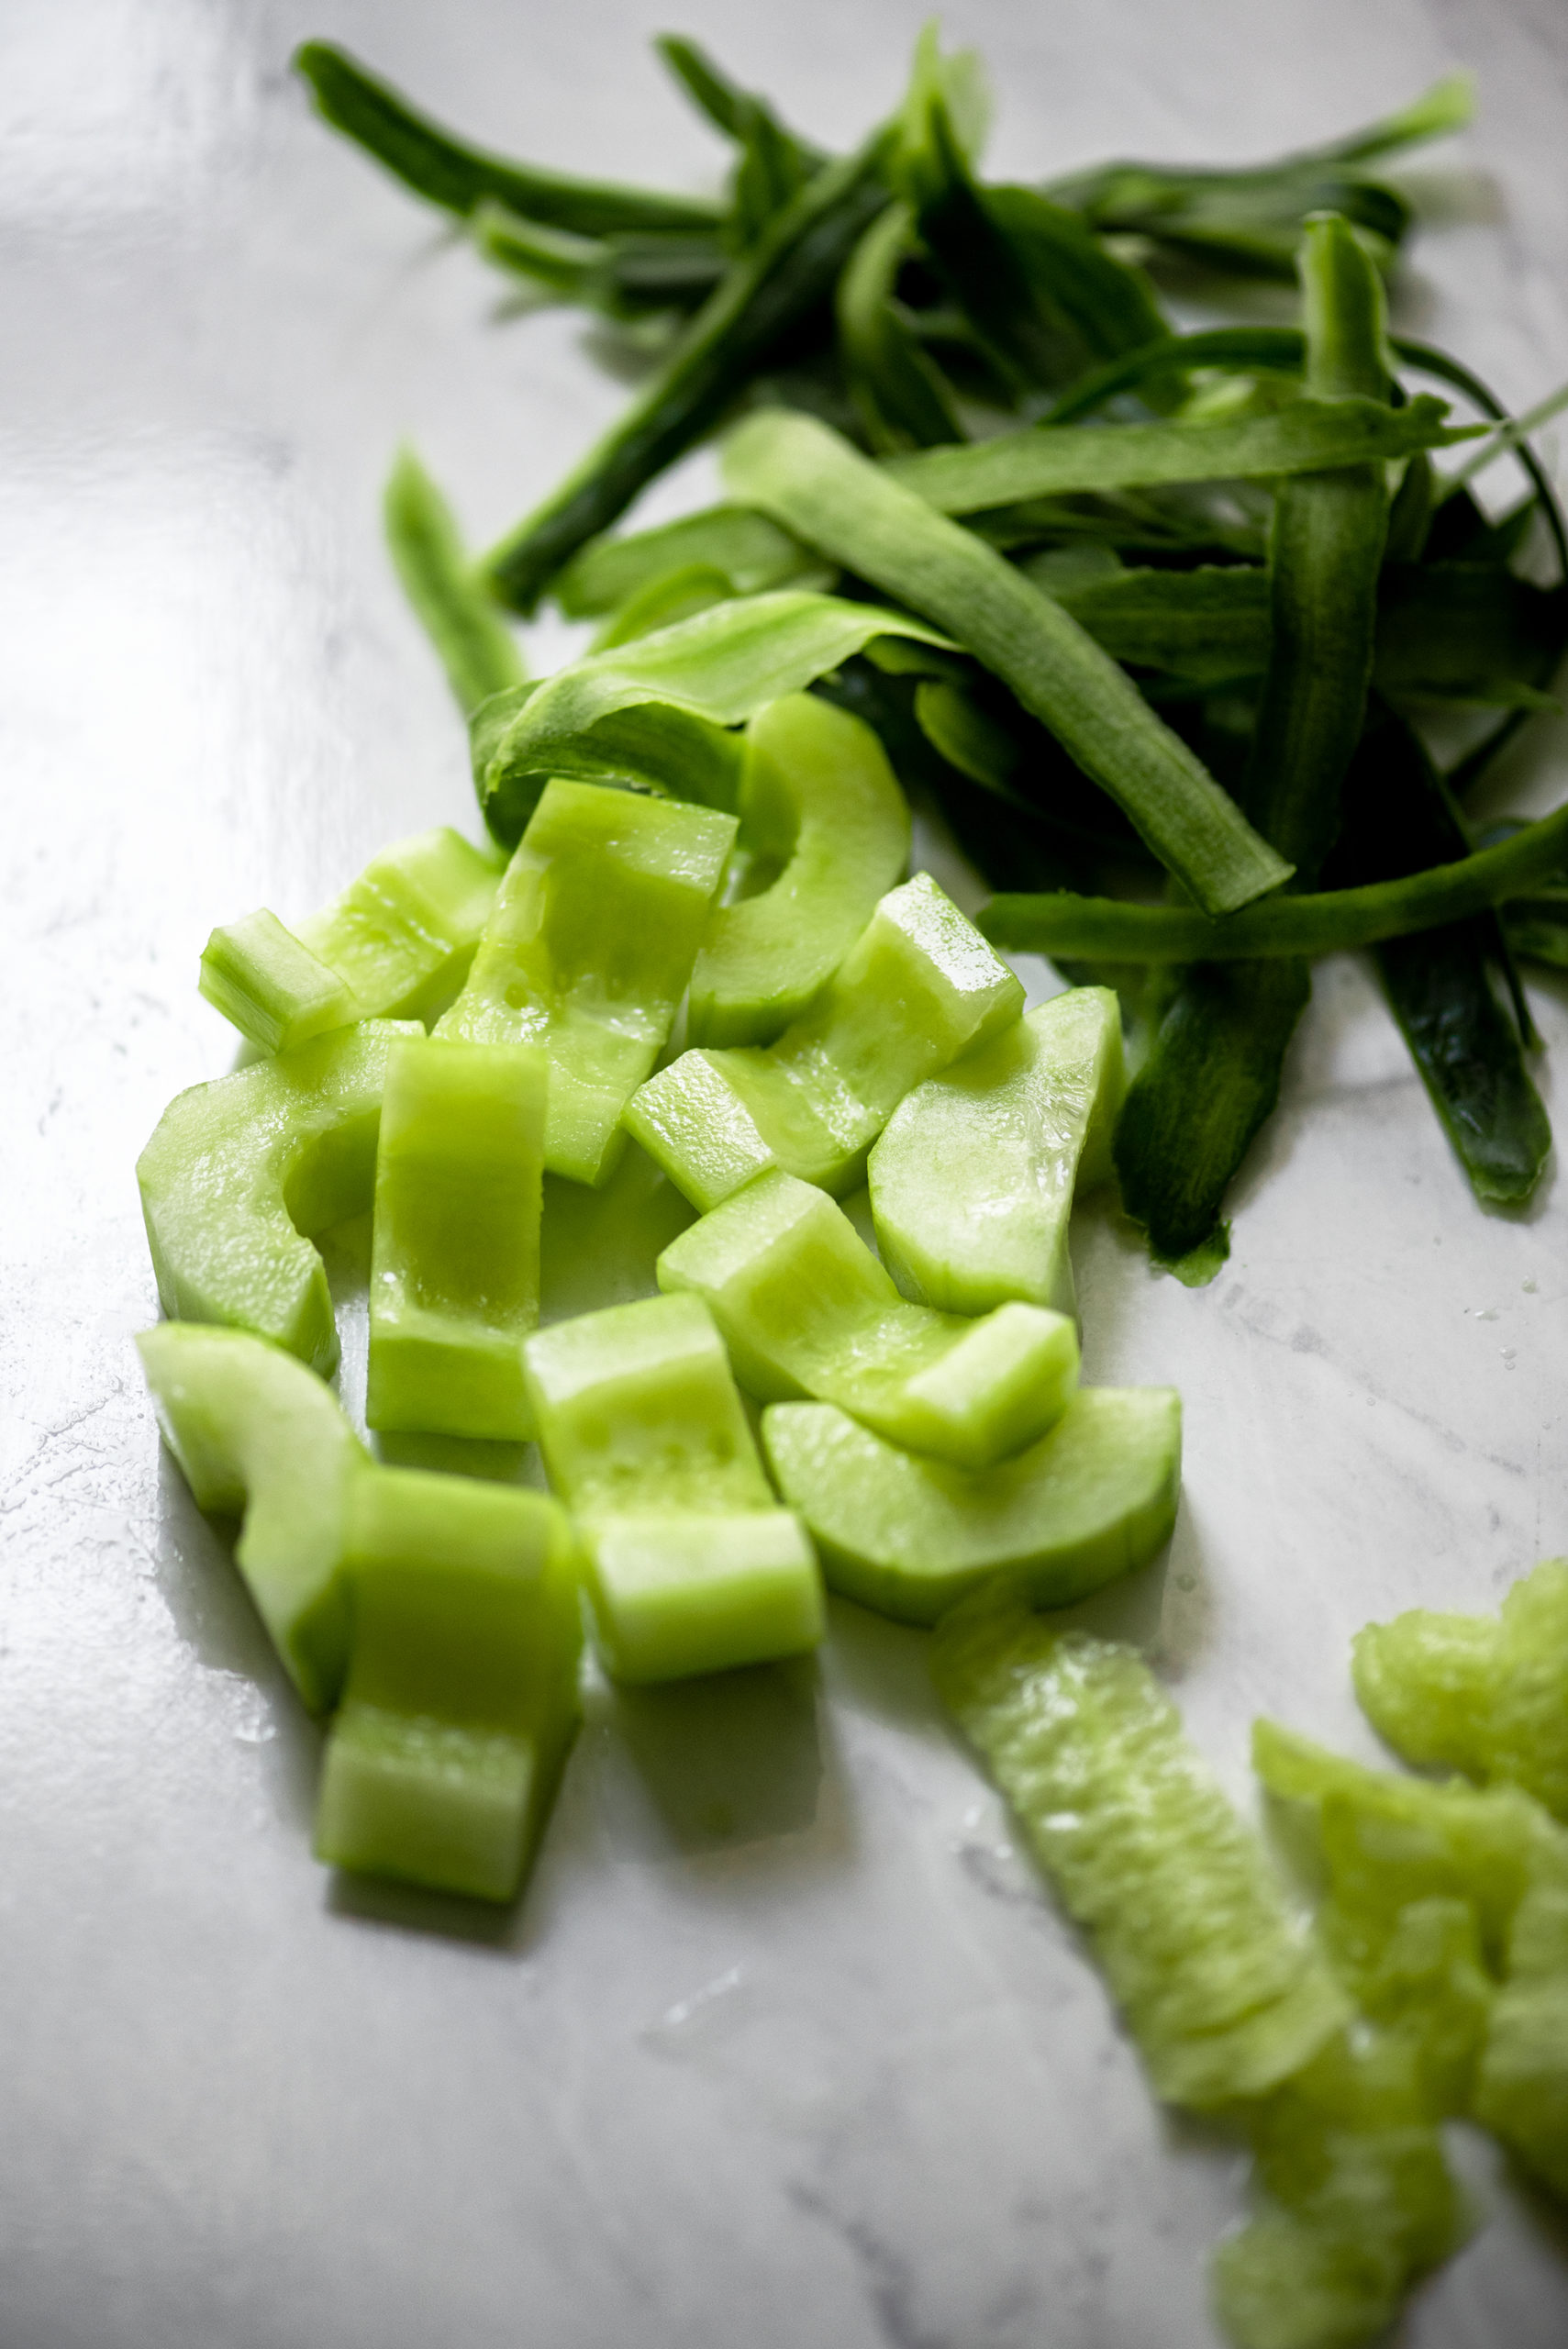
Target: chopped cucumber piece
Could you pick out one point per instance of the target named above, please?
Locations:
(1093, 1499)
(1483, 1693)
(1225, 1998)
(258, 1436)
(918, 987)
(272, 988)
(806, 1309)
(1521, 2087)
(821, 811)
(455, 1259)
(972, 1181)
(1358, 2203)
(240, 1171)
(394, 945)
(589, 950)
(461, 1701)
(690, 1565)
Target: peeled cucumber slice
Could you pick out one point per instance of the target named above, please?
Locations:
(240, 1171)
(259, 1437)
(1224, 1995)
(455, 1253)
(806, 1309)
(1095, 1498)
(461, 1702)
(589, 950)
(395, 945)
(690, 1564)
(918, 987)
(973, 1177)
(826, 828)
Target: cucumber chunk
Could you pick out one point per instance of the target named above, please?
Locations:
(394, 945)
(589, 950)
(1093, 1499)
(1488, 1695)
(455, 1255)
(690, 1565)
(1224, 1995)
(806, 1309)
(973, 1178)
(461, 1702)
(258, 1436)
(240, 1171)
(821, 811)
(918, 987)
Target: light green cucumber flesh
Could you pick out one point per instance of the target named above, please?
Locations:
(973, 1177)
(259, 1437)
(461, 1701)
(1094, 1500)
(806, 1309)
(269, 986)
(239, 1174)
(1224, 1995)
(918, 987)
(825, 825)
(588, 952)
(690, 1565)
(455, 1262)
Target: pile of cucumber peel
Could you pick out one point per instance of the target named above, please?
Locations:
(1161, 628)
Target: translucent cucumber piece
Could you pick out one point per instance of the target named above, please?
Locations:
(1521, 2088)
(1388, 1839)
(394, 945)
(455, 1256)
(690, 1565)
(269, 986)
(827, 831)
(257, 1436)
(589, 950)
(918, 987)
(973, 1178)
(242, 1172)
(1095, 1498)
(1359, 2202)
(806, 1309)
(1488, 1695)
(461, 1701)
(1224, 1995)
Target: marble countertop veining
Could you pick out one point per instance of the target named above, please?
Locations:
(785, 2044)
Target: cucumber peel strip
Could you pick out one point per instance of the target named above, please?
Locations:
(807, 478)
(1330, 921)
(659, 711)
(1051, 461)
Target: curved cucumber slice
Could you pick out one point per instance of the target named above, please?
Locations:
(1225, 1997)
(240, 1171)
(461, 1702)
(972, 1181)
(589, 950)
(455, 1259)
(258, 1436)
(918, 987)
(806, 1309)
(820, 807)
(395, 945)
(690, 1565)
(1095, 1498)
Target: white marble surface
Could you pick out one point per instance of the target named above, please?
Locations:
(785, 2046)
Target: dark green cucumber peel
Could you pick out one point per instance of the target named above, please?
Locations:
(1464, 1046)
(447, 170)
(767, 293)
(1212, 1076)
